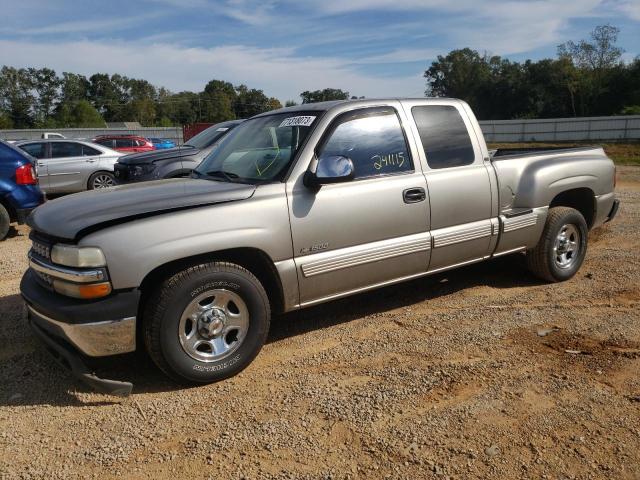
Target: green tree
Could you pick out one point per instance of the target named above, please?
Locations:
(595, 60)
(46, 84)
(73, 87)
(5, 121)
(79, 114)
(324, 95)
(250, 102)
(16, 96)
(216, 103)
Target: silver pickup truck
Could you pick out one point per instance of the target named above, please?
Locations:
(296, 207)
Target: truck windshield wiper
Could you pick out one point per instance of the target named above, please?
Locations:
(221, 173)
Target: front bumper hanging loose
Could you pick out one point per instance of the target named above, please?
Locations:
(71, 360)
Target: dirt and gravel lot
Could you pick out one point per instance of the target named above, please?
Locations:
(481, 372)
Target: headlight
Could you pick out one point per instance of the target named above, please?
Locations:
(73, 256)
(143, 169)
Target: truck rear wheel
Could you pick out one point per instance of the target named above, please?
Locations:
(5, 221)
(562, 247)
(206, 323)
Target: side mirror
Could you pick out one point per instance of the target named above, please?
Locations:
(329, 169)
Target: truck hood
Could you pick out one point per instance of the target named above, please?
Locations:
(158, 155)
(74, 216)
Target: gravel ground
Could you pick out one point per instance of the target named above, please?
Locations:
(481, 372)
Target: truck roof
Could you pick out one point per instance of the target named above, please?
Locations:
(324, 106)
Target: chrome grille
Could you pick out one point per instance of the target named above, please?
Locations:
(43, 279)
(40, 249)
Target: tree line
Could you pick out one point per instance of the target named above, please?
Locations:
(588, 78)
(39, 98)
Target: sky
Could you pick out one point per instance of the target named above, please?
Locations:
(374, 48)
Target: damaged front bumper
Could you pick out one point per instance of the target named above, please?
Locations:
(73, 328)
(71, 360)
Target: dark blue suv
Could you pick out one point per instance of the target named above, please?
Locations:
(19, 191)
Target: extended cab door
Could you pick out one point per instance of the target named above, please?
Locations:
(369, 230)
(463, 220)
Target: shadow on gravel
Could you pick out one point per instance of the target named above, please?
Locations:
(14, 232)
(505, 272)
(29, 376)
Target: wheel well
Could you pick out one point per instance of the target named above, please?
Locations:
(582, 199)
(253, 259)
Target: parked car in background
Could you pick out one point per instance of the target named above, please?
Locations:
(47, 135)
(174, 162)
(125, 143)
(162, 143)
(19, 192)
(67, 166)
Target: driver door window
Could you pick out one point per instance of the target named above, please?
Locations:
(373, 140)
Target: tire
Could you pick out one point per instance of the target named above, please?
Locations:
(5, 222)
(562, 246)
(101, 180)
(189, 321)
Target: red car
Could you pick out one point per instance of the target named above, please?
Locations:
(125, 143)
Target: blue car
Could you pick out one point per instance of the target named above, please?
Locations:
(162, 143)
(19, 191)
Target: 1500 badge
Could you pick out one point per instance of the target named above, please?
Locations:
(314, 248)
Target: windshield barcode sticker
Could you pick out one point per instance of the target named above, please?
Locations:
(304, 121)
(222, 129)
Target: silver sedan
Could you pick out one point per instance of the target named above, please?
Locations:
(67, 166)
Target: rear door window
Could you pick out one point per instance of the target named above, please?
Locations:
(124, 143)
(66, 149)
(107, 142)
(36, 150)
(444, 136)
(88, 151)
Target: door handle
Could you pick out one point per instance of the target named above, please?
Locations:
(414, 195)
(91, 160)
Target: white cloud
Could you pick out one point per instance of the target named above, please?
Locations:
(277, 71)
(401, 55)
(86, 25)
(631, 8)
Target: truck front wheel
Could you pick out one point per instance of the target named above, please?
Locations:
(206, 323)
(562, 247)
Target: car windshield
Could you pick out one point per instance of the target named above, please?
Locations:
(259, 149)
(209, 136)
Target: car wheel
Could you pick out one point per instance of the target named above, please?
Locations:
(101, 180)
(5, 222)
(206, 323)
(562, 247)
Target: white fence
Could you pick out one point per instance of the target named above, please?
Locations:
(563, 129)
(171, 133)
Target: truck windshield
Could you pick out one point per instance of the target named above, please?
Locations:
(259, 149)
